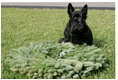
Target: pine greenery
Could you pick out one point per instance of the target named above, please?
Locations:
(51, 60)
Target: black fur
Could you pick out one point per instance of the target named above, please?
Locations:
(77, 31)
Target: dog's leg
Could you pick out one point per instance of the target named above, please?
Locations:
(89, 42)
(63, 40)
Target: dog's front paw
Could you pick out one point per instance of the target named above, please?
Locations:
(61, 40)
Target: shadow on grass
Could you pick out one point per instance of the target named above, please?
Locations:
(98, 42)
(93, 74)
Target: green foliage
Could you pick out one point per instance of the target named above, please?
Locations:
(45, 60)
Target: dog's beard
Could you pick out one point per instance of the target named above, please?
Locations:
(77, 28)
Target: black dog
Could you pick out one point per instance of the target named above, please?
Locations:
(77, 30)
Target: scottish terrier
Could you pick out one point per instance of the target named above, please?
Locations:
(77, 31)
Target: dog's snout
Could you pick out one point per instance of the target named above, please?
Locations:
(80, 27)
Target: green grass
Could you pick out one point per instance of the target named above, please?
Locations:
(21, 26)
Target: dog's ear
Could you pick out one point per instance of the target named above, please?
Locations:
(84, 11)
(70, 9)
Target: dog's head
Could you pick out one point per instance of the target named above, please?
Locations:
(77, 18)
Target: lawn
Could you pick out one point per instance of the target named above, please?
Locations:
(21, 26)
